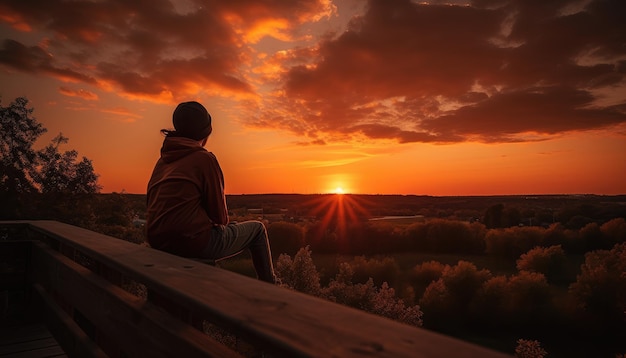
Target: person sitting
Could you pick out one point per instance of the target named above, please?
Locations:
(187, 213)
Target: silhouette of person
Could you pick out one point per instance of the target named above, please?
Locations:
(187, 213)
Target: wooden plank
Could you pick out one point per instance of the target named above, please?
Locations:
(279, 321)
(33, 340)
(31, 344)
(70, 337)
(137, 327)
(44, 352)
(22, 333)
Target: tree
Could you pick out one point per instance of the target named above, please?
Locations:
(300, 273)
(549, 261)
(18, 132)
(424, 274)
(499, 216)
(493, 216)
(26, 170)
(61, 173)
(600, 288)
(446, 302)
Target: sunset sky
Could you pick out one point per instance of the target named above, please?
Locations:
(481, 97)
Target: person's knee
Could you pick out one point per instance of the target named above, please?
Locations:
(258, 226)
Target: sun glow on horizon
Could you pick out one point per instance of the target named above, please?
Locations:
(339, 190)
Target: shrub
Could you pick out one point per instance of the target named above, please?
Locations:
(415, 237)
(380, 270)
(512, 242)
(300, 273)
(614, 230)
(453, 236)
(600, 288)
(546, 260)
(424, 274)
(569, 240)
(529, 349)
(447, 300)
(384, 303)
(489, 307)
(366, 297)
(342, 290)
(440, 235)
(593, 238)
(529, 299)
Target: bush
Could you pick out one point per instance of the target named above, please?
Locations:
(519, 303)
(529, 349)
(489, 306)
(529, 300)
(300, 273)
(447, 236)
(424, 274)
(514, 241)
(415, 237)
(549, 261)
(569, 240)
(600, 289)
(379, 270)
(593, 238)
(614, 230)
(447, 300)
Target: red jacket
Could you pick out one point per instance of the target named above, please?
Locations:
(185, 198)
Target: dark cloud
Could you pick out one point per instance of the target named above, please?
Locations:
(35, 59)
(491, 71)
(147, 48)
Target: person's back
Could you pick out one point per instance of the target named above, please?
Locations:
(185, 198)
(187, 213)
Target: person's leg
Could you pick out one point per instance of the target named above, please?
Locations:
(234, 238)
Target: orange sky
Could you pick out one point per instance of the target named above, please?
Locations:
(480, 97)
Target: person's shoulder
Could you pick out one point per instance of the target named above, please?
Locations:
(206, 155)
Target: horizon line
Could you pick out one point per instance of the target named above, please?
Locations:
(398, 194)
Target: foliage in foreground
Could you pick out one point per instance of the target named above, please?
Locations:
(301, 274)
(529, 349)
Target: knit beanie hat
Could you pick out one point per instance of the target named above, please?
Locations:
(192, 120)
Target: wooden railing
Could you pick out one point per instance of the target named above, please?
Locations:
(81, 279)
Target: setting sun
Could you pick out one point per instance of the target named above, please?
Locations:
(339, 190)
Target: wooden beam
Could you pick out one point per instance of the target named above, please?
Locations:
(135, 326)
(71, 338)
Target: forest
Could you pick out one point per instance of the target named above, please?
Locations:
(541, 275)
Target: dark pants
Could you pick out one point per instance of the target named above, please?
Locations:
(234, 238)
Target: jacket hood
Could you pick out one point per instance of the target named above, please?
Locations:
(175, 148)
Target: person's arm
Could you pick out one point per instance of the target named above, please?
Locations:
(214, 189)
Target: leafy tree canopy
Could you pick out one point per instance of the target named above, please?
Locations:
(49, 170)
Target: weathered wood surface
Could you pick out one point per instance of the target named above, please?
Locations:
(276, 320)
(138, 328)
(29, 341)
